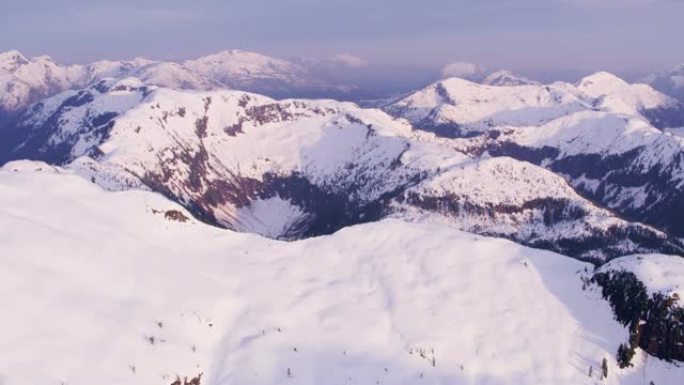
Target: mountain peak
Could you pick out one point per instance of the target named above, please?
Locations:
(506, 79)
(233, 55)
(141, 61)
(233, 62)
(11, 60)
(602, 82)
(13, 53)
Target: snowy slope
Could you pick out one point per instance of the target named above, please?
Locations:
(117, 291)
(510, 189)
(476, 107)
(607, 137)
(295, 168)
(467, 107)
(660, 273)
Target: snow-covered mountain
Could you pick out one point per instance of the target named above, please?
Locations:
(126, 287)
(123, 180)
(248, 71)
(295, 168)
(26, 80)
(506, 78)
(607, 138)
(457, 107)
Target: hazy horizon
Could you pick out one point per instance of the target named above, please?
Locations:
(527, 36)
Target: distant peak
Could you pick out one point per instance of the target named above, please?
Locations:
(231, 53)
(11, 60)
(140, 61)
(601, 83)
(602, 78)
(12, 54)
(506, 78)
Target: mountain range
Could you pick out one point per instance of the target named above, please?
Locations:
(27, 80)
(153, 158)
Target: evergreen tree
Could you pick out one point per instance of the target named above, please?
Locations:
(624, 355)
(604, 367)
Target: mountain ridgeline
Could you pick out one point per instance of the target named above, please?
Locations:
(586, 170)
(297, 168)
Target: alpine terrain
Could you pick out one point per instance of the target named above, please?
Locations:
(226, 220)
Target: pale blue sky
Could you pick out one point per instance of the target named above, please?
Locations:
(526, 35)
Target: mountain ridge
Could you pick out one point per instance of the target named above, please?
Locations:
(607, 138)
(27, 80)
(229, 156)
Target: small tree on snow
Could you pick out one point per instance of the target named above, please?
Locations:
(604, 367)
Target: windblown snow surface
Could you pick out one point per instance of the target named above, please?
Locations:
(125, 287)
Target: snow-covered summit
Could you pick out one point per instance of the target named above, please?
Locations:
(506, 78)
(11, 60)
(600, 83)
(237, 62)
(616, 95)
(659, 273)
(471, 107)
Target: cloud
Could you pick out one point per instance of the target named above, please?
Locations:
(677, 81)
(348, 60)
(462, 69)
